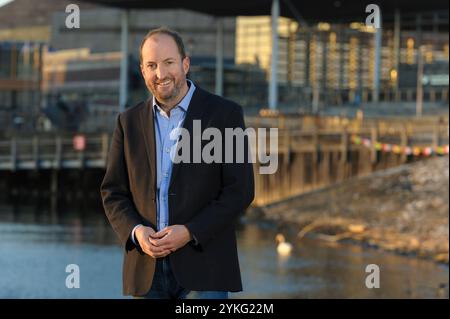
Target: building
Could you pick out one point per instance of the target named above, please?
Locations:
(334, 62)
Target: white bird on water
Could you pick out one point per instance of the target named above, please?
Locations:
(283, 248)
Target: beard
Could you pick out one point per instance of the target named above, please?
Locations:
(165, 94)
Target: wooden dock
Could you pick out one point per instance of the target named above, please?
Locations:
(53, 152)
(312, 152)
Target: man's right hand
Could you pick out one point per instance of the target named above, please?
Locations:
(143, 235)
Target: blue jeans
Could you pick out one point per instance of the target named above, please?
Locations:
(165, 286)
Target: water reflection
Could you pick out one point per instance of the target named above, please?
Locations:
(38, 243)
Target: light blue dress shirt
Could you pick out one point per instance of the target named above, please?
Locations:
(164, 124)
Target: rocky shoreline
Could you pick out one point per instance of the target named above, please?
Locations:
(404, 210)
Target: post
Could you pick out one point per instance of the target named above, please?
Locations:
(436, 130)
(36, 151)
(315, 156)
(40, 84)
(123, 95)
(219, 56)
(404, 143)
(323, 86)
(344, 145)
(54, 194)
(377, 63)
(342, 38)
(419, 96)
(344, 155)
(82, 159)
(58, 153)
(273, 83)
(315, 98)
(54, 183)
(13, 154)
(374, 140)
(360, 68)
(307, 57)
(418, 33)
(396, 46)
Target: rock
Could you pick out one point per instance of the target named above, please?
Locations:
(414, 243)
(356, 228)
(443, 258)
(404, 209)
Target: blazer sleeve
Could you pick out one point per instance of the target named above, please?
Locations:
(236, 195)
(115, 191)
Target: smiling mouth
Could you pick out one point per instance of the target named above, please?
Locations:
(165, 83)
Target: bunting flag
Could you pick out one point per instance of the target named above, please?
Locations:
(399, 149)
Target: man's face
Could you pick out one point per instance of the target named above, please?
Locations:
(163, 69)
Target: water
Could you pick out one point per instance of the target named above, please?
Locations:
(37, 244)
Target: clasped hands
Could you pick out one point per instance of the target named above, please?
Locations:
(162, 243)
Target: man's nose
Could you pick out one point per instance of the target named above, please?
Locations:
(161, 72)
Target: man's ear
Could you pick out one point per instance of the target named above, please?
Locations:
(186, 64)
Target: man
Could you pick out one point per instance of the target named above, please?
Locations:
(175, 219)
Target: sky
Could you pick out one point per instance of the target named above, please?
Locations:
(3, 2)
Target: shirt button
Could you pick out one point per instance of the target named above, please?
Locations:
(166, 174)
(167, 150)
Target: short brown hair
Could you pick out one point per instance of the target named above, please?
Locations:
(175, 36)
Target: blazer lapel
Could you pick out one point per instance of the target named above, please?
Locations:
(194, 112)
(147, 129)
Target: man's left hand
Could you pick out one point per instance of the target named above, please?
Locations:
(171, 237)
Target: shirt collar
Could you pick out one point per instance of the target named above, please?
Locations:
(184, 103)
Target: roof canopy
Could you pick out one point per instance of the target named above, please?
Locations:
(318, 10)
